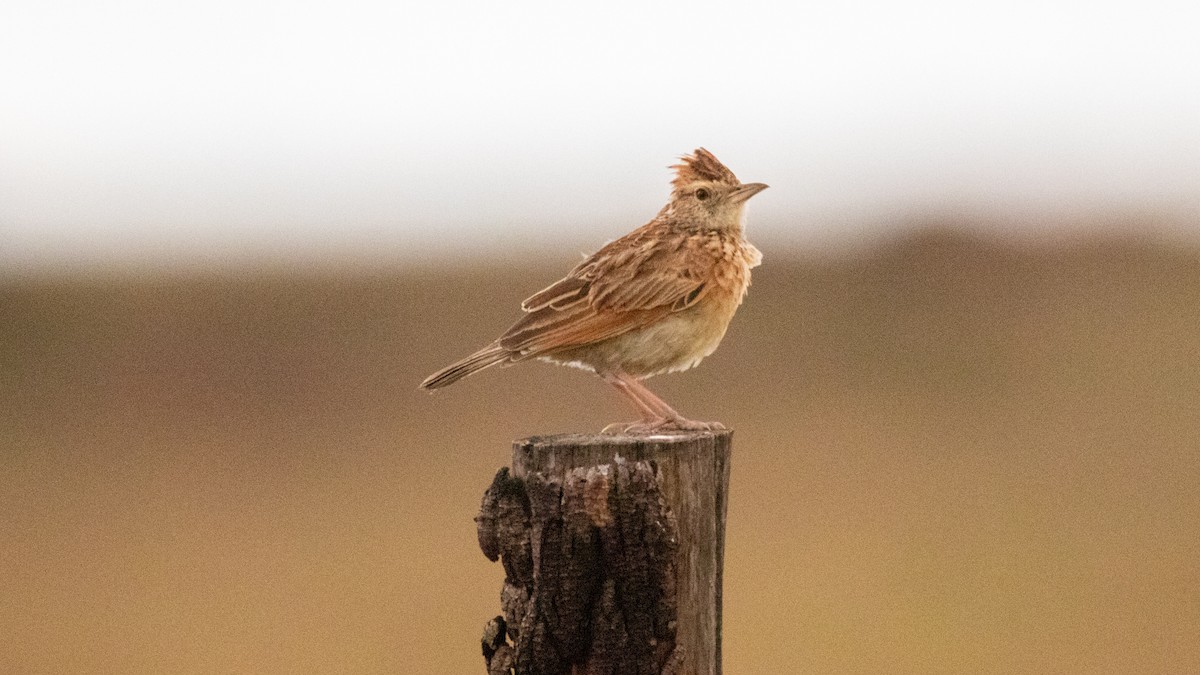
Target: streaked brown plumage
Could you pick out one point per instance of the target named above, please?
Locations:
(657, 300)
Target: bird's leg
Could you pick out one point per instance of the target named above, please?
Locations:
(650, 416)
(665, 412)
(657, 415)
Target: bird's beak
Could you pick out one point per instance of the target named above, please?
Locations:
(743, 192)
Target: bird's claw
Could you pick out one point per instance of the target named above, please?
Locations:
(661, 425)
(696, 425)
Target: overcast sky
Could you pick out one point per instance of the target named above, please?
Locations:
(211, 130)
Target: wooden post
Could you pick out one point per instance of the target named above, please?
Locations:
(689, 473)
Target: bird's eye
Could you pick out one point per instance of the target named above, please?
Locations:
(701, 194)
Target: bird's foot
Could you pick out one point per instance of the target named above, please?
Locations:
(660, 425)
(695, 425)
(642, 427)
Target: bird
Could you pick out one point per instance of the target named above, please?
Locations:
(657, 300)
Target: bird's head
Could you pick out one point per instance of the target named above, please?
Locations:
(706, 193)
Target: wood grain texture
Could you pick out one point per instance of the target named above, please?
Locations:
(694, 468)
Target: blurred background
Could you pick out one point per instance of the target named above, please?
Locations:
(235, 236)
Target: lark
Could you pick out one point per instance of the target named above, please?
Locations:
(657, 300)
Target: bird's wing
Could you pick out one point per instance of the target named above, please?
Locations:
(628, 284)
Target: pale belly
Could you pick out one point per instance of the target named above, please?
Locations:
(676, 342)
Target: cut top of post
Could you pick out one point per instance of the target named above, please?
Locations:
(558, 453)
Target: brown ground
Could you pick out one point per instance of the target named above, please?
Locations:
(950, 457)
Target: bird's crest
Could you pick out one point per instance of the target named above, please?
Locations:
(701, 165)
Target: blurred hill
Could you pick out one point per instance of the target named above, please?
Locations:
(952, 455)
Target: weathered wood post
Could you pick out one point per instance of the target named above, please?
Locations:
(600, 577)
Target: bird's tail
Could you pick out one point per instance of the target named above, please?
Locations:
(484, 358)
